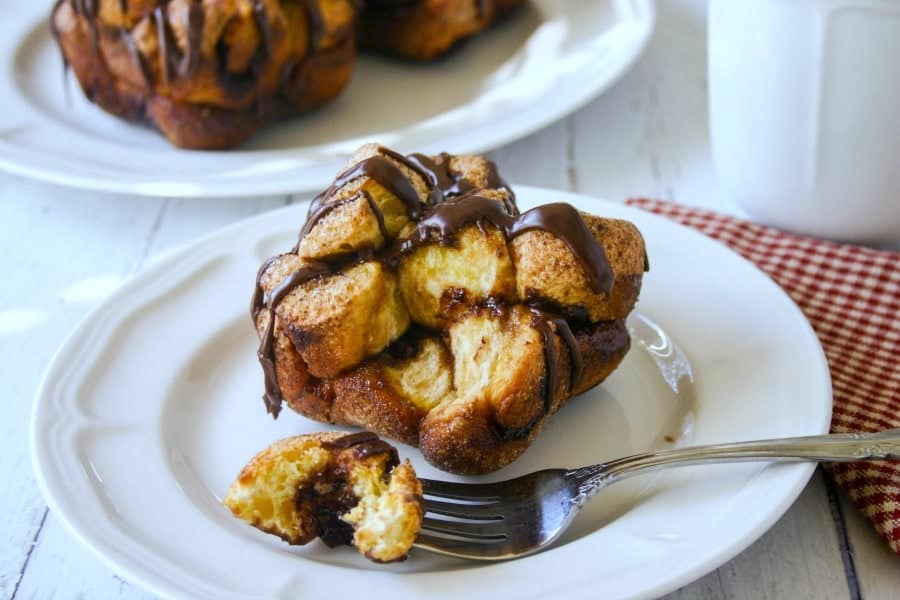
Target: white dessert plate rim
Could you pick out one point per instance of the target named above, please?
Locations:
(104, 154)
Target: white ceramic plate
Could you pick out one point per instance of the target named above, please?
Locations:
(153, 405)
(542, 64)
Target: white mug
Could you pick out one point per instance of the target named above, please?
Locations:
(805, 113)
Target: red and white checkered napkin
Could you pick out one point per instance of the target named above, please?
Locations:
(851, 296)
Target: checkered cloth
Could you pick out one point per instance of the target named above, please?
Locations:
(851, 296)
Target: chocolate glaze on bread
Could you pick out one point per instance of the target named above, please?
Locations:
(420, 304)
(208, 74)
(427, 29)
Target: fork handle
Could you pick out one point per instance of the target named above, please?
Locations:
(842, 447)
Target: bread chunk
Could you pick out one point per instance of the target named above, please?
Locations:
(427, 29)
(437, 281)
(343, 488)
(547, 271)
(339, 320)
(361, 213)
(461, 327)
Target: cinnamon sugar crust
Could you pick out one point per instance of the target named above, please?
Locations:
(485, 322)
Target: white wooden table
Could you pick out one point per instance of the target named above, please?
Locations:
(62, 251)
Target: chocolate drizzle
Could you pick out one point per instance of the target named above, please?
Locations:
(383, 171)
(441, 181)
(331, 493)
(565, 223)
(318, 209)
(351, 439)
(435, 192)
(263, 24)
(315, 25)
(85, 8)
(186, 63)
(136, 57)
(315, 33)
(323, 204)
(364, 444)
(559, 219)
(451, 184)
(194, 20)
(169, 63)
(379, 215)
(452, 204)
(170, 59)
(374, 448)
(438, 175)
(389, 176)
(164, 42)
(542, 321)
(266, 351)
(481, 8)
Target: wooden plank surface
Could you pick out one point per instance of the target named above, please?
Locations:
(798, 558)
(64, 250)
(877, 568)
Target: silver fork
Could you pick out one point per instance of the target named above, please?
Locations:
(508, 519)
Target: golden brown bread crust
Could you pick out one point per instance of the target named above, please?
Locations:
(324, 318)
(479, 433)
(427, 29)
(561, 284)
(496, 431)
(208, 74)
(456, 352)
(343, 488)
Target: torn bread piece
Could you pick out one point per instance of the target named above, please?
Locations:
(342, 488)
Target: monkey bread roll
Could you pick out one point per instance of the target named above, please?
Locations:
(421, 305)
(342, 488)
(207, 73)
(426, 29)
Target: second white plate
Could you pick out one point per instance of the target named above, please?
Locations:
(153, 405)
(543, 63)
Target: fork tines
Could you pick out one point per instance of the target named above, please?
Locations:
(467, 512)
